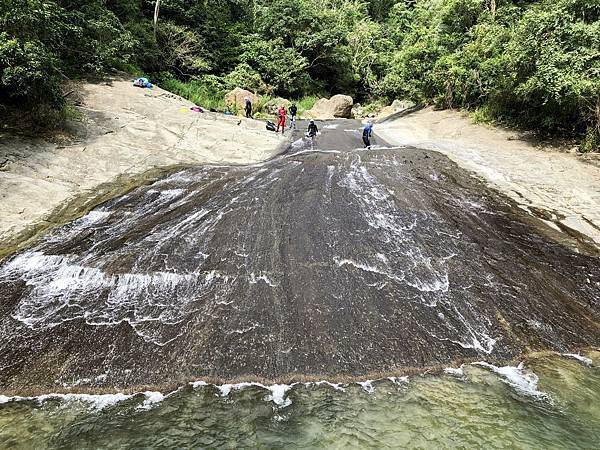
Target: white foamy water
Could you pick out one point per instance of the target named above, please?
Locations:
(367, 386)
(92, 218)
(582, 359)
(99, 401)
(399, 380)
(523, 381)
(95, 401)
(337, 386)
(474, 336)
(480, 341)
(277, 394)
(406, 262)
(367, 268)
(59, 290)
(254, 279)
(152, 399)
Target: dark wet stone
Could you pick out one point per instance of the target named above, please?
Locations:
(317, 264)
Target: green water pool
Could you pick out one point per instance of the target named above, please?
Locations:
(552, 402)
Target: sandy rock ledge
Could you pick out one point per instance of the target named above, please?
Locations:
(127, 132)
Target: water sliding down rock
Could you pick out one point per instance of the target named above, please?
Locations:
(331, 264)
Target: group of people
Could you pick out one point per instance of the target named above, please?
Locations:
(312, 127)
(281, 114)
(282, 117)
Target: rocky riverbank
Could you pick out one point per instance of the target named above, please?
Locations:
(557, 184)
(125, 136)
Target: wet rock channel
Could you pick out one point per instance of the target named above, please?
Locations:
(330, 264)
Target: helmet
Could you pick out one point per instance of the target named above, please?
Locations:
(312, 121)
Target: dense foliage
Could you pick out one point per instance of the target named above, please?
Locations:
(535, 63)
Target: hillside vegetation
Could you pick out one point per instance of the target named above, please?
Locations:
(531, 63)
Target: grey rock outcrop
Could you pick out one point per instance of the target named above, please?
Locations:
(237, 98)
(338, 106)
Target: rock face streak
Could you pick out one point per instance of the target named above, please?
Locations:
(324, 264)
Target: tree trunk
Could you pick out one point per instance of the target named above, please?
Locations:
(156, 11)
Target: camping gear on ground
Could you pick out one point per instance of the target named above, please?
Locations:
(143, 83)
(196, 109)
(271, 126)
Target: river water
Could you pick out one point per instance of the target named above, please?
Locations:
(477, 408)
(327, 263)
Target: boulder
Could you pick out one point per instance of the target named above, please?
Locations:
(237, 97)
(338, 106)
(400, 105)
(341, 106)
(386, 111)
(273, 105)
(396, 107)
(321, 106)
(318, 111)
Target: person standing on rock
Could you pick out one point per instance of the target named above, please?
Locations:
(312, 129)
(281, 114)
(293, 112)
(248, 108)
(312, 133)
(367, 133)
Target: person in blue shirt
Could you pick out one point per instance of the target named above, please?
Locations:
(367, 132)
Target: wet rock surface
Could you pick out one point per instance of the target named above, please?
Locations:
(125, 133)
(537, 175)
(338, 262)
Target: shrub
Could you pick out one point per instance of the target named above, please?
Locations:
(27, 72)
(202, 92)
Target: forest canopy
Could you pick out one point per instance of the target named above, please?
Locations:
(532, 63)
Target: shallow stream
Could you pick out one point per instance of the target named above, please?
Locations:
(476, 407)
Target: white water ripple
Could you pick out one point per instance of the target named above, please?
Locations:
(406, 261)
(523, 381)
(61, 290)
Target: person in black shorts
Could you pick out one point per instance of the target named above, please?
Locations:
(312, 129)
(293, 112)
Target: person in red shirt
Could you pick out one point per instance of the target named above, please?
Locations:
(281, 113)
